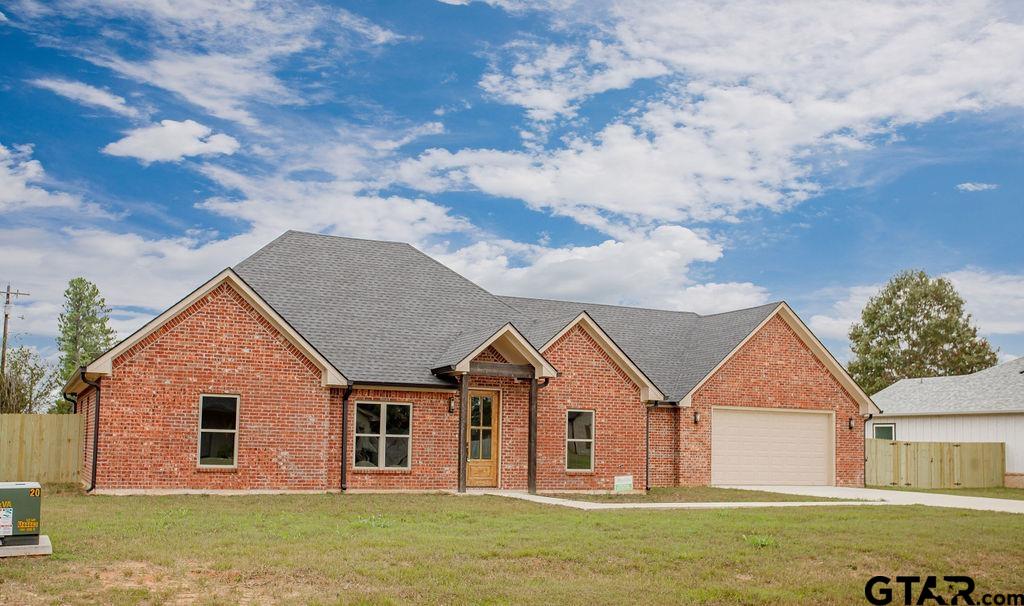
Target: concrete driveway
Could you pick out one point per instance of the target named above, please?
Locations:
(897, 497)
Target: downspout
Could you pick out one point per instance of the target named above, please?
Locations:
(864, 443)
(95, 427)
(73, 401)
(344, 436)
(647, 450)
(535, 387)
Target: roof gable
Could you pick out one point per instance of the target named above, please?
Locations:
(648, 390)
(103, 365)
(784, 312)
(507, 341)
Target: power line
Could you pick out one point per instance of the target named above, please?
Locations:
(7, 314)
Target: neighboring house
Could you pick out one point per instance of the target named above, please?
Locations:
(319, 350)
(987, 406)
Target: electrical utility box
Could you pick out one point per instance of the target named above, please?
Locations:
(19, 513)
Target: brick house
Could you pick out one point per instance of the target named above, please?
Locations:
(323, 364)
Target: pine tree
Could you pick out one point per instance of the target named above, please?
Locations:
(83, 328)
(915, 327)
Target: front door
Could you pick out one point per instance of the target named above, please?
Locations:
(482, 438)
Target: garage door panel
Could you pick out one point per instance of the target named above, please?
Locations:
(756, 446)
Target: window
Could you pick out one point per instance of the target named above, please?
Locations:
(579, 440)
(383, 435)
(218, 431)
(885, 431)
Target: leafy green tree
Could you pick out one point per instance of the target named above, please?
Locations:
(915, 327)
(83, 329)
(28, 383)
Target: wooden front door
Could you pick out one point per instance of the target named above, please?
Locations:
(482, 438)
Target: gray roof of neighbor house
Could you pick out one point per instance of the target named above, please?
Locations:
(383, 312)
(993, 390)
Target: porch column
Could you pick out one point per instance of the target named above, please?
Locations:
(531, 469)
(463, 405)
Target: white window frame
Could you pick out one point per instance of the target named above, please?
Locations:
(381, 436)
(199, 441)
(592, 440)
(874, 425)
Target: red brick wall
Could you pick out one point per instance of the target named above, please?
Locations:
(664, 446)
(288, 430)
(774, 369)
(589, 380)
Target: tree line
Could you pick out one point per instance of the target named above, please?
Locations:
(916, 326)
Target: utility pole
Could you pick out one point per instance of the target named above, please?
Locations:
(7, 314)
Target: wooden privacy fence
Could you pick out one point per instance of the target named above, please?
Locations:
(934, 464)
(40, 448)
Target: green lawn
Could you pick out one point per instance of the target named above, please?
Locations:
(999, 492)
(695, 494)
(449, 549)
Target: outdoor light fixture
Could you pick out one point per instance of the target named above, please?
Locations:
(696, 417)
(451, 404)
(852, 423)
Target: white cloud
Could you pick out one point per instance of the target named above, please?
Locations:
(996, 300)
(755, 102)
(649, 269)
(130, 269)
(971, 186)
(224, 56)
(845, 311)
(88, 95)
(548, 80)
(369, 30)
(23, 183)
(170, 141)
(222, 84)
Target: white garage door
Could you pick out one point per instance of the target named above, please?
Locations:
(757, 446)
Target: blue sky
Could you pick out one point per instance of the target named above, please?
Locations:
(677, 155)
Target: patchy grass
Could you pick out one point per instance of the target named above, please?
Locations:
(693, 494)
(398, 548)
(998, 492)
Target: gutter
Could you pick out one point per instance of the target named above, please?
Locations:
(344, 437)
(95, 427)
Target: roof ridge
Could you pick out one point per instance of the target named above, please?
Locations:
(672, 311)
(337, 237)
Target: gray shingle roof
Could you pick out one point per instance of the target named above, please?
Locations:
(996, 389)
(384, 312)
(675, 349)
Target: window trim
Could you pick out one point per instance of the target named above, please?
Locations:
(874, 425)
(199, 440)
(592, 440)
(381, 437)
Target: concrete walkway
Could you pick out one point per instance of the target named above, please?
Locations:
(594, 505)
(897, 497)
